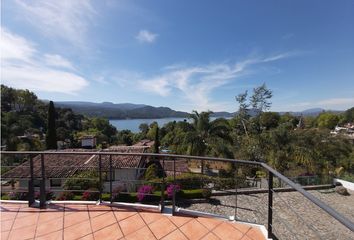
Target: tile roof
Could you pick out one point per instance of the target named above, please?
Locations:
(63, 166)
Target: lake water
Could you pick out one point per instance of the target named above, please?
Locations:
(133, 124)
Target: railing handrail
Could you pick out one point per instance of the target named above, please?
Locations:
(345, 221)
(135, 154)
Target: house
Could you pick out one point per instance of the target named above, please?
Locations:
(145, 142)
(346, 131)
(59, 167)
(88, 141)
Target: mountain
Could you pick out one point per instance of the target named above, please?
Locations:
(222, 114)
(312, 111)
(134, 111)
(120, 110)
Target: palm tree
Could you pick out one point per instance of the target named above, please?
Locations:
(208, 137)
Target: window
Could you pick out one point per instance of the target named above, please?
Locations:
(106, 175)
(36, 183)
(55, 182)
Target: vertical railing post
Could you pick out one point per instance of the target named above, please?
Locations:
(110, 177)
(31, 183)
(174, 188)
(202, 167)
(42, 193)
(236, 183)
(270, 205)
(162, 203)
(100, 177)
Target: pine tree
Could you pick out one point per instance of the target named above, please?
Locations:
(157, 142)
(51, 137)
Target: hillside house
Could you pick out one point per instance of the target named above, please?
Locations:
(59, 167)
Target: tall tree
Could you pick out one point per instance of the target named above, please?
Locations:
(206, 134)
(51, 136)
(260, 100)
(207, 137)
(243, 115)
(157, 141)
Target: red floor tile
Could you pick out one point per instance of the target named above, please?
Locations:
(227, 231)
(162, 227)
(210, 236)
(194, 229)
(58, 235)
(175, 235)
(23, 233)
(209, 223)
(131, 224)
(50, 226)
(102, 221)
(142, 234)
(75, 218)
(110, 232)
(78, 230)
(91, 222)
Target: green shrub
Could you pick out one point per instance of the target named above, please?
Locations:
(5, 197)
(106, 197)
(127, 197)
(347, 177)
(206, 192)
(83, 181)
(77, 197)
(151, 172)
(191, 194)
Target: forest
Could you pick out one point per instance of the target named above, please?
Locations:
(293, 145)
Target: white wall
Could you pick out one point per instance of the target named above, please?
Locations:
(88, 142)
(346, 184)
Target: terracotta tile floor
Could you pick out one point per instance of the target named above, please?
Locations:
(103, 222)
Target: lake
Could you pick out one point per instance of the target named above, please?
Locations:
(133, 124)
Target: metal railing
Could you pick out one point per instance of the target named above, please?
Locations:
(207, 181)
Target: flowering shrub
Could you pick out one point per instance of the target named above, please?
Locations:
(65, 196)
(48, 195)
(89, 195)
(143, 190)
(18, 196)
(13, 195)
(170, 188)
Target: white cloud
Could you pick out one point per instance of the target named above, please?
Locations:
(146, 36)
(65, 19)
(56, 60)
(23, 66)
(196, 83)
(15, 47)
(42, 79)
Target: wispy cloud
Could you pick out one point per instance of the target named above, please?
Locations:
(57, 61)
(23, 67)
(197, 82)
(146, 36)
(65, 19)
(15, 47)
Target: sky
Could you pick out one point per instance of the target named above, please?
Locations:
(186, 55)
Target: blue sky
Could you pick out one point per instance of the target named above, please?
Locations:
(187, 55)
